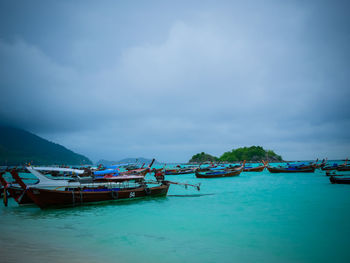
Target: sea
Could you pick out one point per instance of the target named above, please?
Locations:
(254, 217)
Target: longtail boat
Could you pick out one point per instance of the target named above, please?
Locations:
(217, 168)
(343, 168)
(255, 169)
(79, 191)
(133, 166)
(301, 165)
(19, 192)
(139, 171)
(335, 166)
(335, 180)
(179, 171)
(290, 169)
(220, 173)
(330, 167)
(68, 195)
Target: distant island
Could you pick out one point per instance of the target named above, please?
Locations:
(253, 153)
(18, 147)
(139, 160)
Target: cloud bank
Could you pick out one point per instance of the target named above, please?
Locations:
(206, 78)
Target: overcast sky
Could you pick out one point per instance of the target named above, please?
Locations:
(168, 79)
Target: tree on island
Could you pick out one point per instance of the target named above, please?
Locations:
(203, 157)
(253, 153)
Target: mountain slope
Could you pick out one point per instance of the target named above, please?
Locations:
(19, 146)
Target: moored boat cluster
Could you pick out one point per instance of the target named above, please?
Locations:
(71, 187)
(62, 186)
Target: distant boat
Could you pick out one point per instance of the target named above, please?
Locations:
(179, 171)
(330, 167)
(343, 168)
(217, 168)
(291, 169)
(139, 171)
(255, 169)
(220, 173)
(335, 180)
(339, 167)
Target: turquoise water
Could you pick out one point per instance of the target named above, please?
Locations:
(256, 217)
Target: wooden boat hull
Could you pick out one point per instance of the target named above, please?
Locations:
(254, 169)
(179, 172)
(218, 174)
(343, 168)
(285, 170)
(329, 168)
(45, 198)
(335, 180)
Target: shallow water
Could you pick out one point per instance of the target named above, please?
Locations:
(256, 217)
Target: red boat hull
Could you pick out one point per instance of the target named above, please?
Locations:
(282, 170)
(53, 198)
(254, 169)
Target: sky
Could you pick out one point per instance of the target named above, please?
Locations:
(169, 79)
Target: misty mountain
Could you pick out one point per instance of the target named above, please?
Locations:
(18, 147)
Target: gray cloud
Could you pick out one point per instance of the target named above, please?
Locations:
(111, 80)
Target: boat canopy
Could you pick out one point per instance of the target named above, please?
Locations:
(119, 177)
(217, 168)
(299, 164)
(107, 171)
(114, 166)
(43, 180)
(58, 169)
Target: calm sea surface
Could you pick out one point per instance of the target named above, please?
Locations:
(256, 217)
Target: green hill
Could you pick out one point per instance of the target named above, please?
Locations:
(203, 157)
(253, 153)
(19, 147)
